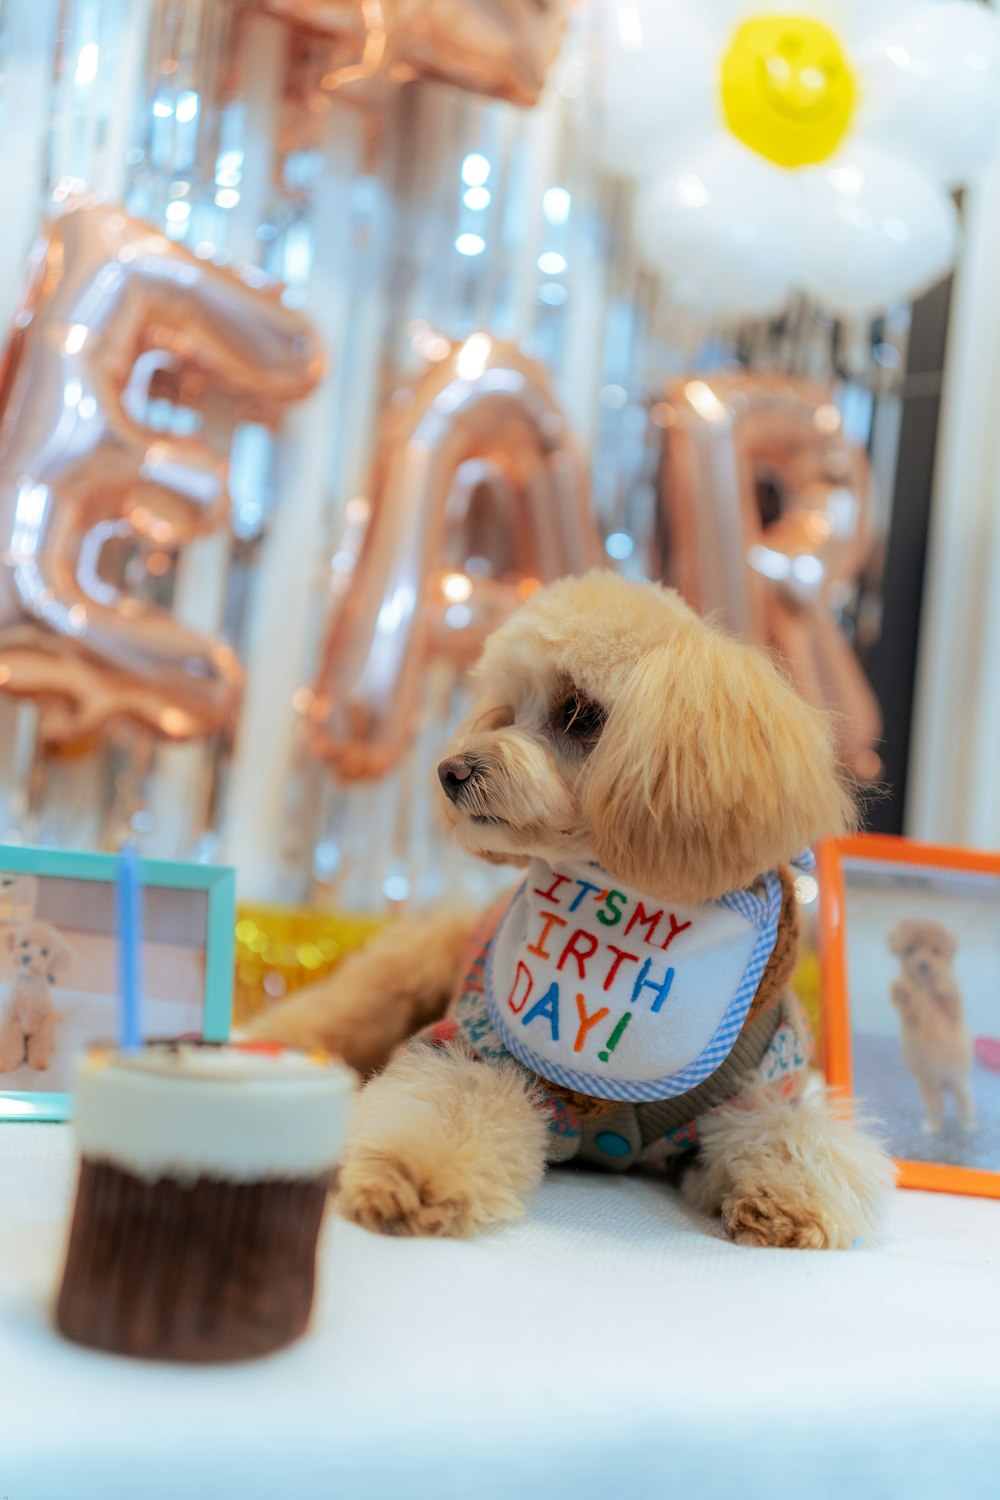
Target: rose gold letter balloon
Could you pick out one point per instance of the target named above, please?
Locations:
(76, 469)
(764, 523)
(502, 48)
(479, 495)
(356, 31)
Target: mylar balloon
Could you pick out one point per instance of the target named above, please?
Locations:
(764, 525)
(76, 469)
(502, 48)
(484, 411)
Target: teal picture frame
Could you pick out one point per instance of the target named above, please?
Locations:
(219, 884)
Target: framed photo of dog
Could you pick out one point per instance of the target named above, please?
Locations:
(59, 964)
(910, 949)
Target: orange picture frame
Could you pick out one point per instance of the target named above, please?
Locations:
(835, 1042)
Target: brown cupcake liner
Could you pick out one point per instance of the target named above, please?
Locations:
(200, 1271)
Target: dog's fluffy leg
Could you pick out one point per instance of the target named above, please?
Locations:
(965, 1104)
(11, 1044)
(442, 1145)
(933, 1097)
(402, 980)
(41, 1043)
(793, 1172)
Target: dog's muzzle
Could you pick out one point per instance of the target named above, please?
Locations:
(453, 773)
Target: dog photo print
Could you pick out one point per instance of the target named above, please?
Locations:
(913, 1002)
(59, 985)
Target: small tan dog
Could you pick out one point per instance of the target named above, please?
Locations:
(28, 1018)
(936, 1046)
(628, 1001)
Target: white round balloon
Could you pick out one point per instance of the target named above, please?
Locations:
(658, 83)
(930, 88)
(874, 230)
(721, 226)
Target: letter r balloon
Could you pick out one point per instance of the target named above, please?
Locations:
(764, 522)
(77, 468)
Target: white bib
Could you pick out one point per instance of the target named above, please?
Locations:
(602, 990)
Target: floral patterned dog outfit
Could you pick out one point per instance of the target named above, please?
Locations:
(597, 991)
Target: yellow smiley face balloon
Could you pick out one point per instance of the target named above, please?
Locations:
(787, 90)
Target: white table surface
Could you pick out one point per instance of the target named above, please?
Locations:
(611, 1346)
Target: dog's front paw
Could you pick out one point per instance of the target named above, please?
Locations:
(761, 1219)
(392, 1196)
(442, 1145)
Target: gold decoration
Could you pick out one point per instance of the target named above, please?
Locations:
(805, 985)
(765, 524)
(280, 949)
(482, 405)
(500, 48)
(107, 293)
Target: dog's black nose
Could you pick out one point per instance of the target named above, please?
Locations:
(453, 773)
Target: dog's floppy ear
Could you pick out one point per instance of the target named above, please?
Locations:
(10, 939)
(710, 771)
(60, 953)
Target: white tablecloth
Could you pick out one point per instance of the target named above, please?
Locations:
(612, 1346)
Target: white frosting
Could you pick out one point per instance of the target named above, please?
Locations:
(190, 1111)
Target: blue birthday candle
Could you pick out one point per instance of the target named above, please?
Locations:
(129, 907)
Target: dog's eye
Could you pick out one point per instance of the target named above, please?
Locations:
(578, 718)
(44, 952)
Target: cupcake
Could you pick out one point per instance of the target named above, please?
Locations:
(203, 1181)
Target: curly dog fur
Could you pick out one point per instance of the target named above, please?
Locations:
(936, 1046)
(610, 724)
(28, 1019)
